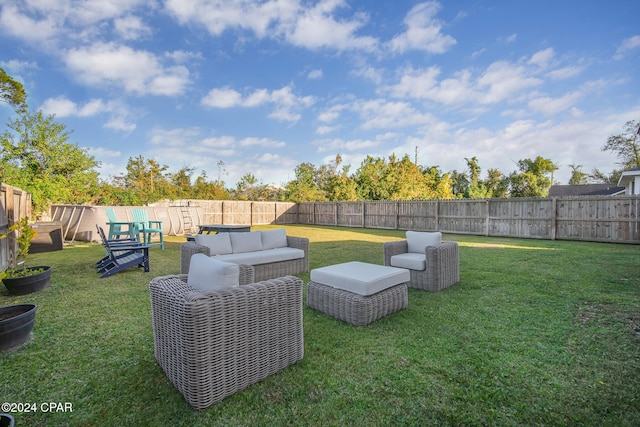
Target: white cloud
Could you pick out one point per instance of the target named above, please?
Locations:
(565, 72)
(18, 24)
(136, 71)
(338, 145)
(542, 58)
(119, 116)
(423, 31)
(316, 28)
(550, 106)
(627, 45)
(131, 27)
(308, 27)
(503, 81)
(285, 103)
(315, 74)
(508, 39)
(383, 114)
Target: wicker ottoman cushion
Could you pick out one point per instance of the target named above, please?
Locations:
(359, 277)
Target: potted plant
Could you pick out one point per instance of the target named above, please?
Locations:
(19, 279)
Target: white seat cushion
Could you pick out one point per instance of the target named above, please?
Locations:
(263, 257)
(359, 277)
(246, 242)
(208, 274)
(417, 241)
(217, 243)
(274, 238)
(412, 261)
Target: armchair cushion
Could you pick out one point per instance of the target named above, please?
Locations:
(208, 274)
(417, 240)
(246, 242)
(218, 244)
(272, 239)
(410, 261)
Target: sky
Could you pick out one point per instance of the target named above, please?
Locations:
(232, 87)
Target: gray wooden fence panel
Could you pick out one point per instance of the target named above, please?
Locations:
(350, 214)
(418, 215)
(381, 214)
(306, 213)
(286, 213)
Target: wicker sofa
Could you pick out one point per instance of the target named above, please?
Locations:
(212, 344)
(432, 263)
(272, 253)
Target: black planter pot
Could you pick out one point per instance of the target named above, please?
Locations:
(26, 285)
(6, 420)
(16, 324)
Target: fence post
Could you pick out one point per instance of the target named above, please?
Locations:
(554, 217)
(487, 219)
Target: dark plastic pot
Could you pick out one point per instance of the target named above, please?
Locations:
(28, 284)
(6, 420)
(16, 324)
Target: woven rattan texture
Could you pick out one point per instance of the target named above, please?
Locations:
(442, 266)
(213, 344)
(356, 309)
(262, 271)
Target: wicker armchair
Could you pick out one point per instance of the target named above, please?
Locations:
(442, 265)
(215, 343)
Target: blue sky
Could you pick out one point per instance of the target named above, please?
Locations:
(262, 86)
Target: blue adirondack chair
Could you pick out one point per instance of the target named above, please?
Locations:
(118, 228)
(147, 227)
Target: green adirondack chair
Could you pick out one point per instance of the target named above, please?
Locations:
(119, 228)
(147, 227)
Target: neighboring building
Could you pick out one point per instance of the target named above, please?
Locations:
(630, 180)
(585, 190)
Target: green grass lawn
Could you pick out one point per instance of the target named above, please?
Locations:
(536, 333)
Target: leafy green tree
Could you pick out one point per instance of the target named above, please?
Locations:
(305, 188)
(12, 92)
(147, 180)
(602, 178)
(371, 179)
(181, 182)
(342, 187)
(577, 176)
(442, 183)
(497, 184)
(36, 157)
(534, 178)
(459, 183)
(476, 188)
(626, 145)
(209, 190)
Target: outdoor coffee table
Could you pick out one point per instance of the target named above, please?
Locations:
(357, 292)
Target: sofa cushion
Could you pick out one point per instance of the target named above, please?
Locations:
(263, 257)
(418, 240)
(411, 261)
(217, 243)
(209, 274)
(246, 242)
(274, 238)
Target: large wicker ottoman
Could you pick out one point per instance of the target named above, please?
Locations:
(357, 292)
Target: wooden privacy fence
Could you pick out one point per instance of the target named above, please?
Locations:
(598, 219)
(14, 204)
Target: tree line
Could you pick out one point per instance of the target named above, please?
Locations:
(36, 155)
